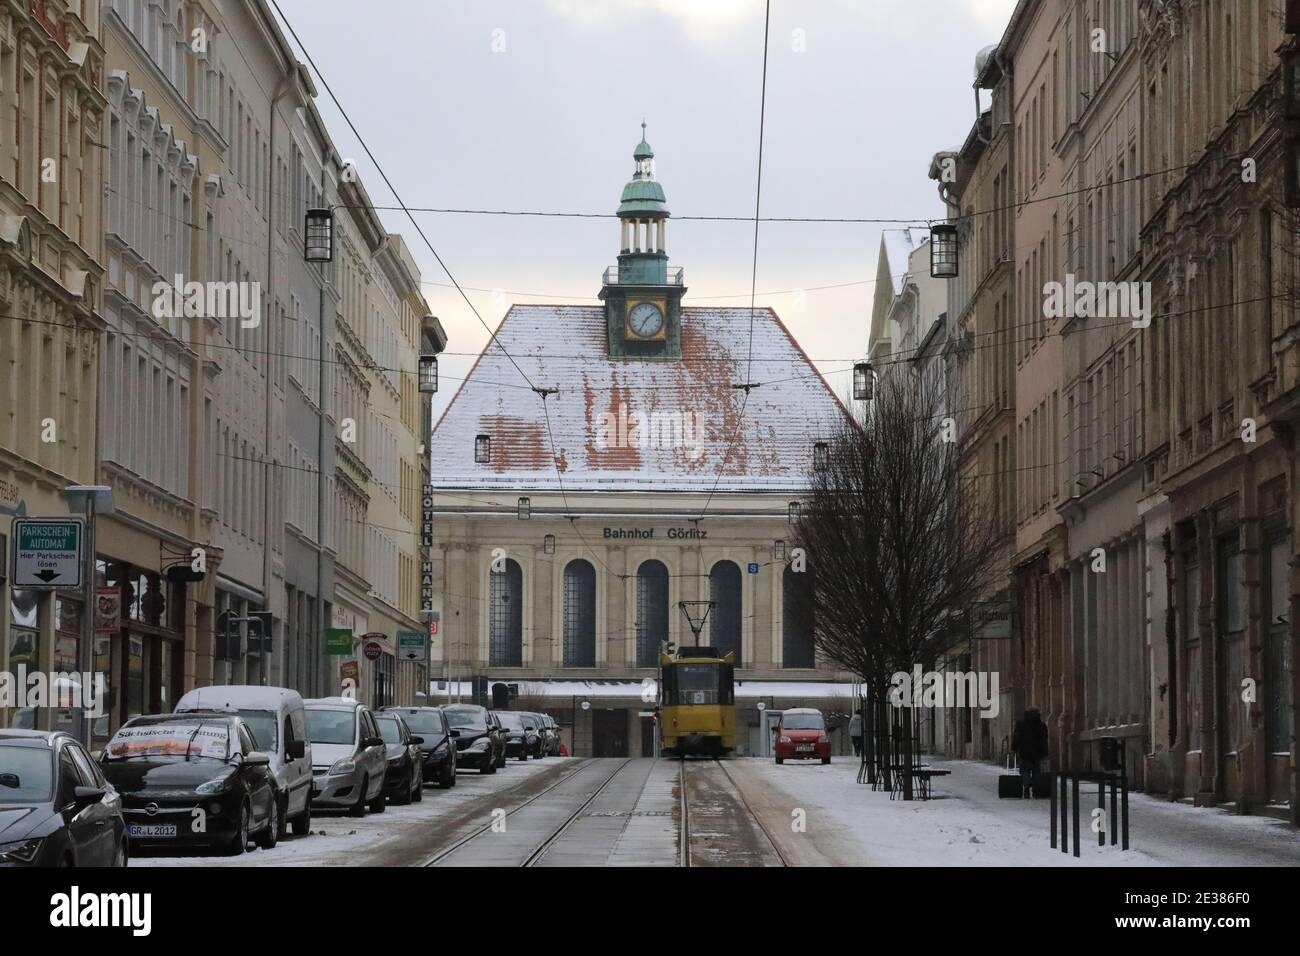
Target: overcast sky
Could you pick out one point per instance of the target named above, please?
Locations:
(537, 105)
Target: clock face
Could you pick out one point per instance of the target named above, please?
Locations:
(645, 319)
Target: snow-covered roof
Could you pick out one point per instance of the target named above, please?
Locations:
(565, 347)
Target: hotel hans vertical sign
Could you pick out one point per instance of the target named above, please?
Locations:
(426, 563)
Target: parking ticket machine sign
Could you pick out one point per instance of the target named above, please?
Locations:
(47, 552)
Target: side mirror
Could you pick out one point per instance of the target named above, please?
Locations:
(417, 740)
(257, 759)
(372, 742)
(454, 733)
(296, 750)
(97, 756)
(85, 796)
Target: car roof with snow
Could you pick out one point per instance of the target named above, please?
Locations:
(234, 696)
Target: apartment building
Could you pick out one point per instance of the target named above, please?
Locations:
(51, 298)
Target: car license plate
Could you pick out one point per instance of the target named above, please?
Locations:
(143, 830)
(803, 747)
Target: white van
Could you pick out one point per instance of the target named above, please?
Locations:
(278, 720)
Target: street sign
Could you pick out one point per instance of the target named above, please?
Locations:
(338, 641)
(411, 646)
(47, 552)
(373, 650)
(753, 567)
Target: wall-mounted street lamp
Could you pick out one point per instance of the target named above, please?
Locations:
(482, 449)
(318, 235)
(548, 544)
(428, 374)
(525, 511)
(864, 382)
(943, 251)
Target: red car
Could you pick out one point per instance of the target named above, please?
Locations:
(801, 735)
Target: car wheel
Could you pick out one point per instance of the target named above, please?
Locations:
(826, 760)
(403, 796)
(380, 803)
(358, 809)
(282, 818)
(447, 778)
(270, 836)
(302, 822)
(239, 843)
(780, 760)
(489, 767)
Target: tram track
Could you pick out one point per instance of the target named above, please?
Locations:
(718, 826)
(553, 832)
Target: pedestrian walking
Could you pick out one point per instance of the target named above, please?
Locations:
(1029, 742)
(855, 732)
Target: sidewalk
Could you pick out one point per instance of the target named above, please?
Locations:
(967, 825)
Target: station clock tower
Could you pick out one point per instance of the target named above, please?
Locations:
(642, 296)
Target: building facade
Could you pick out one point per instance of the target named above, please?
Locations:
(51, 301)
(573, 521)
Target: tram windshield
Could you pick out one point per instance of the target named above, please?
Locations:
(696, 683)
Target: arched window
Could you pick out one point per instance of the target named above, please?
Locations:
(651, 612)
(724, 618)
(579, 614)
(506, 616)
(797, 620)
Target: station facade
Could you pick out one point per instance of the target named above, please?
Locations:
(581, 519)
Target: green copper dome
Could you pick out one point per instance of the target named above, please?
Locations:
(642, 196)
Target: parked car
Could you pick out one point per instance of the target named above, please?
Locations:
(552, 735)
(404, 778)
(278, 721)
(349, 758)
(193, 779)
(481, 743)
(56, 808)
(801, 735)
(533, 724)
(521, 741)
(437, 742)
(501, 734)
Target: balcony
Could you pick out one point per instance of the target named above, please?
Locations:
(639, 277)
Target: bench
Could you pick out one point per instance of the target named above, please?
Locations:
(922, 774)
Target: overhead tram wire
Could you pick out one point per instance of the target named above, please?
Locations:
(542, 393)
(753, 273)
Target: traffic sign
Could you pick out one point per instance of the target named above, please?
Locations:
(411, 646)
(47, 552)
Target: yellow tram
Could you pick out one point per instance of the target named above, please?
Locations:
(698, 703)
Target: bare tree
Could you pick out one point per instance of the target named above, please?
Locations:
(899, 547)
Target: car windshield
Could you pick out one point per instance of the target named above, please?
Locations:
(510, 721)
(179, 740)
(424, 722)
(803, 722)
(26, 774)
(331, 726)
(388, 729)
(262, 724)
(467, 718)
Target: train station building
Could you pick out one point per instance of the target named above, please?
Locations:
(627, 473)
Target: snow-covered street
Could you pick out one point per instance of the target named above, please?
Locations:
(967, 825)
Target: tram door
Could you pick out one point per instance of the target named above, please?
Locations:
(608, 733)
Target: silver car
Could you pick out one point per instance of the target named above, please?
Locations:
(349, 758)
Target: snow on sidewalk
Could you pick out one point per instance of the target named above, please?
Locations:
(967, 825)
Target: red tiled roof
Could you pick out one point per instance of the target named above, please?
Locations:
(636, 424)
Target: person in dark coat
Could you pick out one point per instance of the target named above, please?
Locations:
(1029, 741)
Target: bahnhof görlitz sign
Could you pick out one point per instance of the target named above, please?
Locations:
(642, 534)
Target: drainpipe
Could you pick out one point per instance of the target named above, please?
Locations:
(287, 83)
